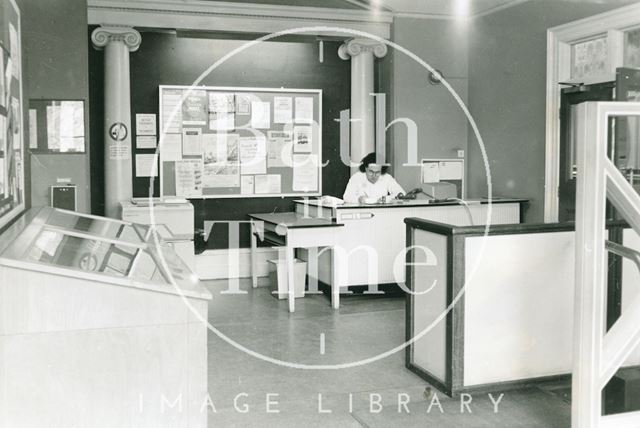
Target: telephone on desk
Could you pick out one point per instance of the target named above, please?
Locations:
(416, 193)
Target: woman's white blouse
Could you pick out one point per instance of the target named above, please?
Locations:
(359, 186)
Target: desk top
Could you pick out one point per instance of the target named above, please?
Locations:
(412, 203)
(294, 220)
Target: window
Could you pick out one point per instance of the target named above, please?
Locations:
(589, 58)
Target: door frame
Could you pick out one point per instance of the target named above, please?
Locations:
(611, 24)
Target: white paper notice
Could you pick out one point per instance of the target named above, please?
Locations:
(145, 124)
(246, 185)
(146, 141)
(219, 170)
(171, 111)
(221, 175)
(260, 115)
(304, 109)
(253, 155)
(33, 128)
(305, 173)
(15, 50)
(243, 105)
(430, 172)
(2, 91)
(221, 102)
(302, 139)
(267, 184)
(192, 141)
(189, 178)
(451, 170)
(171, 147)
(118, 151)
(279, 149)
(222, 121)
(282, 109)
(146, 165)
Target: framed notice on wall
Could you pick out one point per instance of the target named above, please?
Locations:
(232, 142)
(12, 197)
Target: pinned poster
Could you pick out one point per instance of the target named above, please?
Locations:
(246, 185)
(268, 184)
(279, 149)
(146, 141)
(224, 174)
(2, 90)
(260, 115)
(145, 124)
(189, 178)
(243, 105)
(222, 121)
(194, 108)
(282, 109)
(221, 102)
(171, 147)
(15, 50)
(146, 165)
(302, 139)
(219, 171)
(192, 142)
(305, 173)
(253, 156)
(304, 109)
(171, 111)
(33, 127)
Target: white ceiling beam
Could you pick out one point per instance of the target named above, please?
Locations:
(234, 17)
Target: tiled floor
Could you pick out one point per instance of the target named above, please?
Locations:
(259, 352)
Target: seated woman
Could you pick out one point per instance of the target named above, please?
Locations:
(371, 184)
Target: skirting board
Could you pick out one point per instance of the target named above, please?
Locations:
(223, 264)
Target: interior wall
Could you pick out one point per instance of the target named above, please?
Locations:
(165, 59)
(507, 97)
(54, 45)
(441, 122)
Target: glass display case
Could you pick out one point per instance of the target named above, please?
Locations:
(65, 240)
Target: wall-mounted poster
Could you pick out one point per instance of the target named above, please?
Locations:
(260, 115)
(12, 198)
(194, 108)
(302, 139)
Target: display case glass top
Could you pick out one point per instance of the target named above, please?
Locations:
(77, 244)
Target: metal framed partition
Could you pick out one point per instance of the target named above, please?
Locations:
(598, 354)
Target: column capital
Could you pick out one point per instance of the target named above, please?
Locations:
(355, 47)
(105, 34)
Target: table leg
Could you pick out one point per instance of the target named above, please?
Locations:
(254, 256)
(289, 263)
(336, 270)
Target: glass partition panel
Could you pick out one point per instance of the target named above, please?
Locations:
(57, 248)
(95, 226)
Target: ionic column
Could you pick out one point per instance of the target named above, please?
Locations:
(117, 43)
(361, 52)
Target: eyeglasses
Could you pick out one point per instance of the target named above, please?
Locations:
(372, 173)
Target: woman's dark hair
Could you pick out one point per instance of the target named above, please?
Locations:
(369, 159)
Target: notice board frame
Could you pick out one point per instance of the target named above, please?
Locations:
(254, 94)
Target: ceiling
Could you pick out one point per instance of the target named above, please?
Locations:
(444, 8)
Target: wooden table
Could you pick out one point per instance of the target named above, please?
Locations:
(294, 230)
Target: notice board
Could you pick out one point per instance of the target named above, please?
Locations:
(12, 194)
(234, 142)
